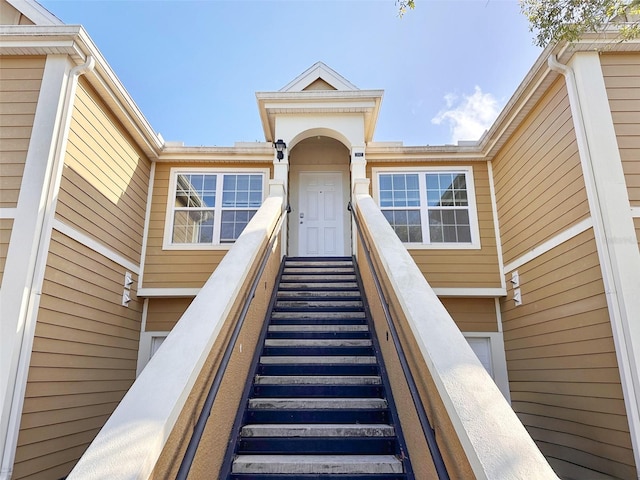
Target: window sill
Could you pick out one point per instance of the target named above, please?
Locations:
(191, 247)
(442, 246)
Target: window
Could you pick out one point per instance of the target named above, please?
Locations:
(211, 208)
(431, 207)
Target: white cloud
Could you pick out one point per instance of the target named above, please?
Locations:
(468, 116)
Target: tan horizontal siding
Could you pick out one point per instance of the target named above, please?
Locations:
(20, 79)
(563, 374)
(177, 268)
(83, 362)
(103, 192)
(621, 73)
(472, 314)
(538, 177)
(461, 268)
(164, 313)
(6, 224)
(636, 223)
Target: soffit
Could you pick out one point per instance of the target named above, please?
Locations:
(319, 102)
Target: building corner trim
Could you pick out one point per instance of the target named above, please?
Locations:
(612, 220)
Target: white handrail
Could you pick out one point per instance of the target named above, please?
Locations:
(494, 440)
(130, 443)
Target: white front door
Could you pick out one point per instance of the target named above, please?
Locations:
(320, 216)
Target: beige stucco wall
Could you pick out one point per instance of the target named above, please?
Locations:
(103, 192)
(86, 343)
(540, 190)
(215, 439)
(621, 72)
(83, 361)
(561, 361)
(472, 314)
(20, 79)
(563, 373)
(163, 313)
(452, 452)
(186, 268)
(460, 268)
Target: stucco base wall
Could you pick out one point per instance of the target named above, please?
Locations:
(214, 442)
(451, 449)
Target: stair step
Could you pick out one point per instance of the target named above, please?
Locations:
(321, 278)
(317, 403)
(317, 315)
(317, 464)
(331, 305)
(317, 380)
(318, 263)
(318, 416)
(318, 391)
(315, 294)
(318, 328)
(314, 360)
(323, 342)
(317, 269)
(316, 407)
(318, 445)
(318, 369)
(318, 430)
(318, 286)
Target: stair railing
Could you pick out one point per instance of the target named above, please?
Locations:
(429, 432)
(198, 429)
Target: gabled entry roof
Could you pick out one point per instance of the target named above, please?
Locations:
(319, 90)
(316, 77)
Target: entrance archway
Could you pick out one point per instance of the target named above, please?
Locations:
(319, 191)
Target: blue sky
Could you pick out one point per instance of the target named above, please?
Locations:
(193, 67)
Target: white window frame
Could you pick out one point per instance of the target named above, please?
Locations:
(471, 198)
(167, 243)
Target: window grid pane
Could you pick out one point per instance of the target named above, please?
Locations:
(233, 223)
(406, 224)
(194, 209)
(194, 205)
(399, 190)
(446, 210)
(242, 191)
(447, 190)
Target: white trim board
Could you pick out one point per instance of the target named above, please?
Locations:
(8, 213)
(470, 292)
(94, 245)
(550, 244)
(168, 292)
(498, 359)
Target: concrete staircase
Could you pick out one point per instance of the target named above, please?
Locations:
(318, 406)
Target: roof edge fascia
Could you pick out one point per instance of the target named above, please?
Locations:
(35, 12)
(539, 76)
(322, 71)
(74, 41)
(260, 152)
(320, 95)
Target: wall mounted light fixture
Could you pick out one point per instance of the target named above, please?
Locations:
(280, 148)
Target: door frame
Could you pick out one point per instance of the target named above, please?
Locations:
(293, 244)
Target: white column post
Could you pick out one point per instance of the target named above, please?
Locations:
(612, 220)
(359, 185)
(280, 183)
